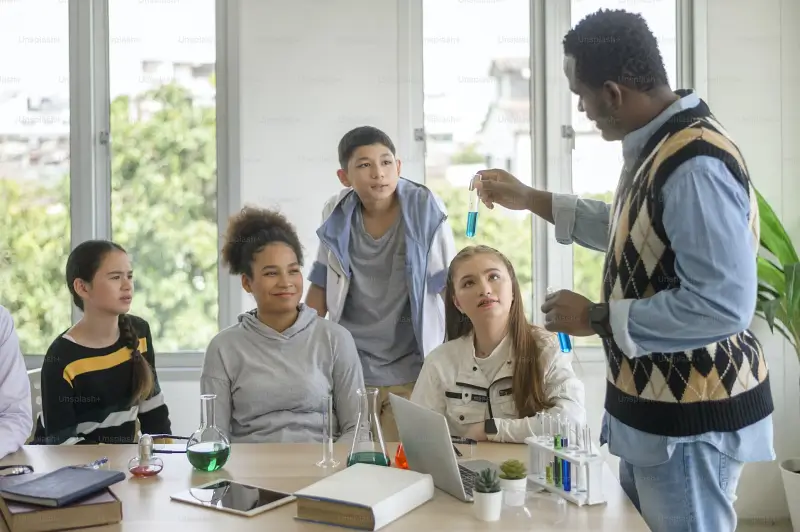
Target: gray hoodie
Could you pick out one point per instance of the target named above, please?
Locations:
(271, 386)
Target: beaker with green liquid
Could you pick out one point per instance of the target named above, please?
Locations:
(368, 446)
(208, 448)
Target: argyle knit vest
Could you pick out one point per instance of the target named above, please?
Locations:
(723, 386)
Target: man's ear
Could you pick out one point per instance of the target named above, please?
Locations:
(342, 175)
(399, 166)
(612, 93)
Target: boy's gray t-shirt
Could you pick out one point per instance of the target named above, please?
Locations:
(377, 310)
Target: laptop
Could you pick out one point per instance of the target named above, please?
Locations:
(429, 449)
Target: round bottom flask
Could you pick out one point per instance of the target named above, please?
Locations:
(208, 449)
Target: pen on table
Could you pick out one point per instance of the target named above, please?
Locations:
(458, 453)
(97, 464)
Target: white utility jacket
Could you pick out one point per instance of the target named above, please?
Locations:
(452, 384)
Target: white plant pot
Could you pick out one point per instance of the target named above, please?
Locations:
(514, 491)
(790, 471)
(487, 506)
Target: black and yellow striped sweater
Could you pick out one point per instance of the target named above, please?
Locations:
(86, 393)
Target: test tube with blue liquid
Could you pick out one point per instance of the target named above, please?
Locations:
(563, 338)
(472, 210)
(566, 466)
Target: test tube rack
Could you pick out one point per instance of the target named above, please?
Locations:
(592, 463)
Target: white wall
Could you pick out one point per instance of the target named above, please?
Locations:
(305, 73)
(753, 74)
(181, 389)
(311, 73)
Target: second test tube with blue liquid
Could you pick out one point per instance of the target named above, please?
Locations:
(563, 338)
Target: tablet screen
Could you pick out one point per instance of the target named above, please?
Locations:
(233, 496)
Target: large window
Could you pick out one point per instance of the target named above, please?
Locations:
(163, 169)
(476, 61)
(34, 169)
(596, 163)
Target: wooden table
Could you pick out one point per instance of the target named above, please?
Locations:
(289, 467)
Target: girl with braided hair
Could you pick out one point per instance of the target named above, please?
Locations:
(99, 376)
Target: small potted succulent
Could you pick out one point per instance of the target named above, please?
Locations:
(514, 482)
(488, 498)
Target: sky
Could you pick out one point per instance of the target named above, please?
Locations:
(460, 36)
(34, 37)
(460, 39)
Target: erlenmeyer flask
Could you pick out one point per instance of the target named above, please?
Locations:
(208, 449)
(368, 446)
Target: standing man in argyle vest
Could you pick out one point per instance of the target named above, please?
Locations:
(688, 399)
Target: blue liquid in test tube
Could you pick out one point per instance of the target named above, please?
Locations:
(564, 342)
(563, 338)
(472, 212)
(566, 479)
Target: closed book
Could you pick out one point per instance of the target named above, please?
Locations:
(364, 496)
(62, 486)
(102, 508)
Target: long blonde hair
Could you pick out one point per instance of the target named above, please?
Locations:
(528, 379)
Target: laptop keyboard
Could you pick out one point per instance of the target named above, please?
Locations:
(468, 477)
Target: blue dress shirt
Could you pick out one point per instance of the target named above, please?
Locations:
(706, 218)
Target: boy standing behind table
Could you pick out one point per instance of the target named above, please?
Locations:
(381, 267)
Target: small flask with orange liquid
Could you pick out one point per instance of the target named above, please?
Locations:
(400, 458)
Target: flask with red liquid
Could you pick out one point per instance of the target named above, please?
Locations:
(400, 458)
(145, 464)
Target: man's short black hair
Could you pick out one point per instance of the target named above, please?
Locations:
(618, 46)
(362, 136)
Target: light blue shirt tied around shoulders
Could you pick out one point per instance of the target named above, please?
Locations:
(705, 215)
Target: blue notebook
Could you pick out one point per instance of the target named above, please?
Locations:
(62, 487)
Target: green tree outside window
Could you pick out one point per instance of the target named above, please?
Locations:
(164, 199)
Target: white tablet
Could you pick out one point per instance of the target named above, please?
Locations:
(234, 497)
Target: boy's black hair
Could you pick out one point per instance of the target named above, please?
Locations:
(251, 230)
(361, 136)
(618, 46)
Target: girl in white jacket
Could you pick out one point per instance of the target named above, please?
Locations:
(496, 370)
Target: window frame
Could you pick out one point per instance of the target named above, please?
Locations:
(90, 178)
(410, 89)
(90, 145)
(691, 67)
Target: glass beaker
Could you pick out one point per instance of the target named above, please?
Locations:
(208, 449)
(368, 446)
